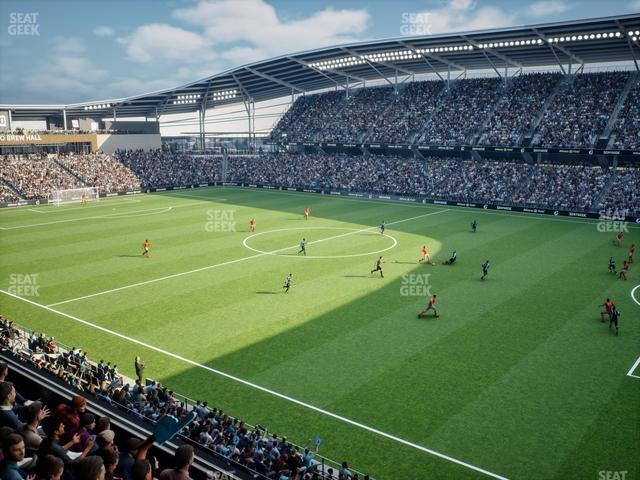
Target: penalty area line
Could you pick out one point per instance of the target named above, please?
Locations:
(263, 389)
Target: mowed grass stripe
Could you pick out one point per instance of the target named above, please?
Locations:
(542, 383)
(358, 331)
(278, 395)
(413, 335)
(215, 290)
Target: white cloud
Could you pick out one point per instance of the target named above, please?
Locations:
(241, 55)
(104, 31)
(161, 41)
(71, 45)
(255, 24)
(462, 15)
(548, 7)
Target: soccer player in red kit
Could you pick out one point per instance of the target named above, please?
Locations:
(618, 239)
(623, 272)
(608, 305)
(252, 224)
(146, 247)
(632, 250)
(430, 306)
(306, 213)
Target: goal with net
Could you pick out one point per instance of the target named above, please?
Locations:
(74, 195)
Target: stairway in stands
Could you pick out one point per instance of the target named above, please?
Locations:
(527, 138)
(13, 188)
(606, 140)
(443, 97)
(72, 173)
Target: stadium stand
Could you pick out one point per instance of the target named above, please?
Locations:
(547, 109)
(624, 194)
(158, 169)
(522, 103)
(468, 106)
(407, 113)
(626, 130)
(35, 176)
(101, 171)
(580, 112)
(549, 185)
(509, 183)
(235, 449)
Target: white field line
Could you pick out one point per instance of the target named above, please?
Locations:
(264, 389)
(633, 294)
(200, 197)
(632, 369)
(48, 208)
(36, 211)
(635, 365)
(480, 211)
(229, 262)
(105, 202)
(99, 217)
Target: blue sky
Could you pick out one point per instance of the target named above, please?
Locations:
(109, 49)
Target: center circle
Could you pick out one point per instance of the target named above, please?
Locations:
(276, 253)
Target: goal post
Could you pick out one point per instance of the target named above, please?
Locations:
(74, 195)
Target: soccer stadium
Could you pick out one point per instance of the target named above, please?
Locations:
(271, 240)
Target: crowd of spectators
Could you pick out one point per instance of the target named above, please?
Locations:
(74, 434)
(102, 171)
(520, 106)
(36, 176)
(7, 195)
(445, 178)
(421, 112)
(563, 187)
(556, 186)
(306, 119)
(624, 194)
(406, 114)
(360, 113)
(553, 186)
(463, 112)
(626, 130)
(580, 111)
(155, 168)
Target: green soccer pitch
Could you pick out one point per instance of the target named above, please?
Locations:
(518, 378)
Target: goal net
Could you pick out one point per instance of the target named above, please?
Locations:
(75, 195)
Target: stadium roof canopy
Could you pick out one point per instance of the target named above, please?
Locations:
(598, 40)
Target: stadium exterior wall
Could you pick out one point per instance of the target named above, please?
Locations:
(110, 143)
